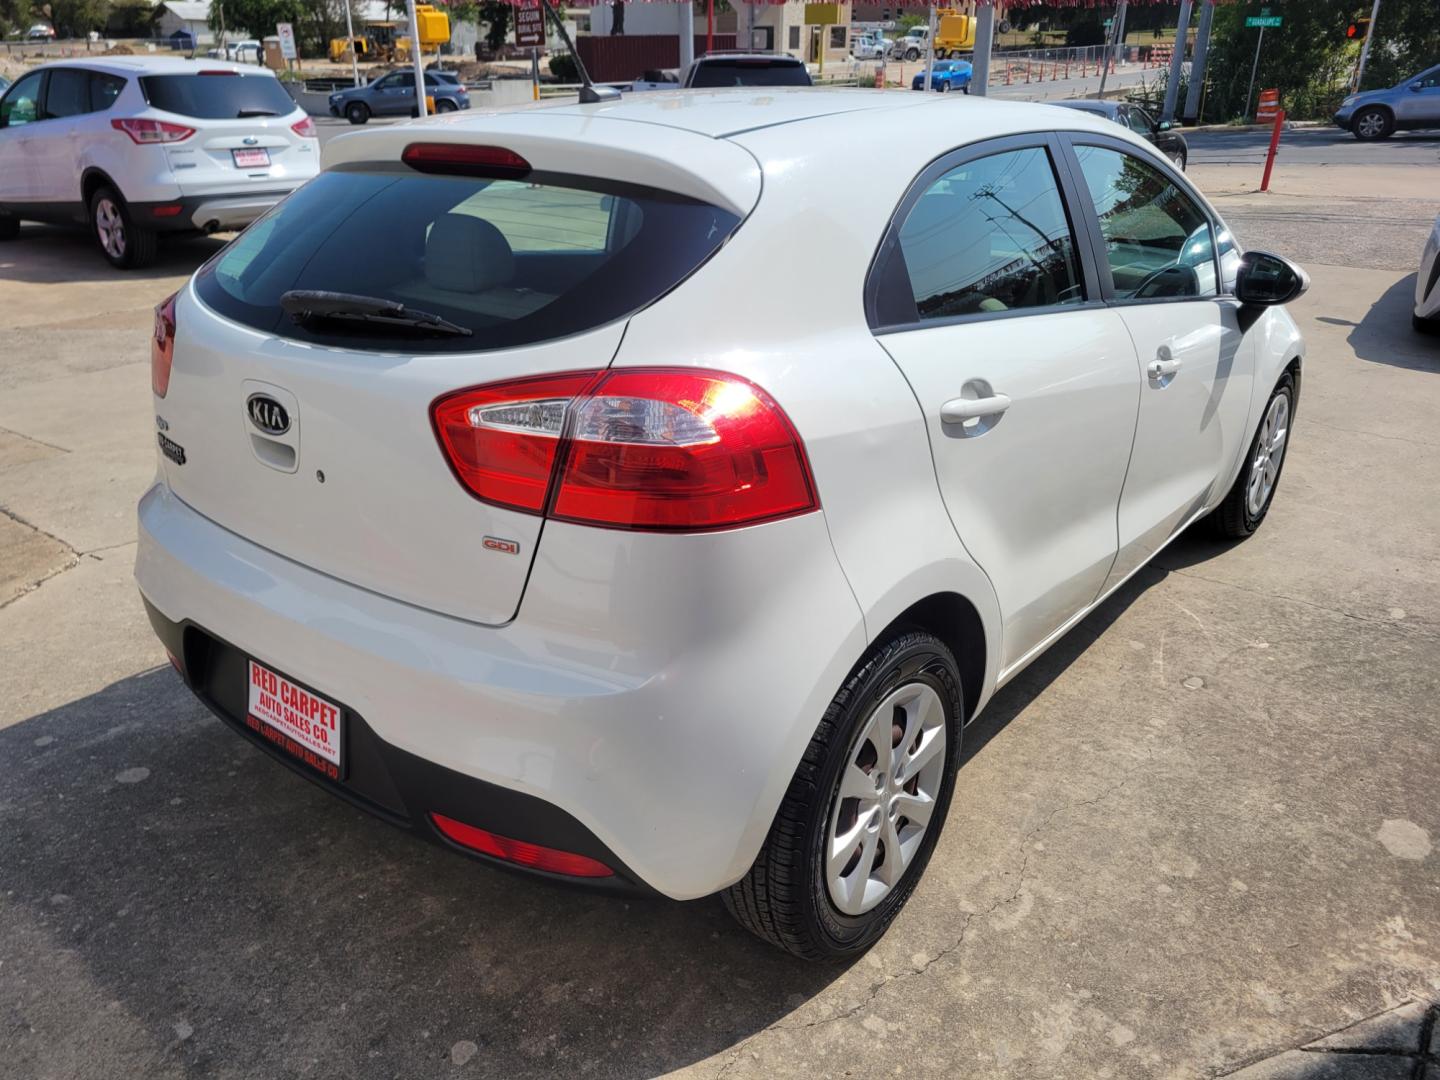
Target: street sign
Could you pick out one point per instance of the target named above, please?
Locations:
(286, 34)
(1263, 20)
(529, 23)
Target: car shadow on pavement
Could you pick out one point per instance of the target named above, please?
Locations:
(45, 254)
(1384, 335)
(166, 886)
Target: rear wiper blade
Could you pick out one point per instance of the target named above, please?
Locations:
(303, 305)
(245, 114)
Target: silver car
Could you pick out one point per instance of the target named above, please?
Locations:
(1378, 114)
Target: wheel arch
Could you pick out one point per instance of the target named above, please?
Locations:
(953, 619)
(91, 180)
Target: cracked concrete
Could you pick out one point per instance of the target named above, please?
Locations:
(1195, 839)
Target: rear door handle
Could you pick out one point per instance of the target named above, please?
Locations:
(958, 410)
(1163, 368)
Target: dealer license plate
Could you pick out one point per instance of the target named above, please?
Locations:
(251, 159)
(302, 724)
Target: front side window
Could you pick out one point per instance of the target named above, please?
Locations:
(1157, 240)
(68, 93)
(21, 104)
(989, 236)
(1140, 121)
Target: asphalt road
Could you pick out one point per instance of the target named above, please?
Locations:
(1314, 146)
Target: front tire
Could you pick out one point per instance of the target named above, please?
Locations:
(943, 87)
(1178, 159)
(357, 112)
(1249, 498)
(912, 55)
(864, 809)
(123, 244)
(1372, 123)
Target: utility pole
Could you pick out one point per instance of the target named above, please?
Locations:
(1365, 52)
(1191, 112)
(1108, 56)
(1254, 68)
(418, 61)
(984, 46)
(930, 51)
(687, 36)
(1177, 61)
(350, 30)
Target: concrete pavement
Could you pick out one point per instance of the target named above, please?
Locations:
(1194, 838)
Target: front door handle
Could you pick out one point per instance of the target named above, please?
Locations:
(1163, 368)
(960, 409)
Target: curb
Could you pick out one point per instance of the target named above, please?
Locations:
(1290, 125)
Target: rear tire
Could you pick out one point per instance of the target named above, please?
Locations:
(789, 896)
(123, 244)
(943, 87)
(1178, 159)
(1372, 123)
(357, 112)
(444, 105)
(1249, 498)
(9, 227)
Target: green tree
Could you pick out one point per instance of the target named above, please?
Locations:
(76, 18)
(1407, 40)
(495, 14)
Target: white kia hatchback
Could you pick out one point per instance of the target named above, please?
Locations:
(138, 146)
(661, 506)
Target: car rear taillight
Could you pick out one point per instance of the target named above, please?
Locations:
(162, 345)
(642, 448)
(520, 852)
(305, 129)
(464, 159)
(147, 132)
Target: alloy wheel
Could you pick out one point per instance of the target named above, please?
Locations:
(1269, 453)
(110, 228)
(886, 796)
(1371, 125)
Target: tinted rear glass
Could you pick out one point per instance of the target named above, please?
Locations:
(218, 97)
(514, 261)
(751, 73)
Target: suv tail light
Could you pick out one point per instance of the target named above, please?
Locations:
(637, 448)
(162, 345)
(145, 131)
(305, 129)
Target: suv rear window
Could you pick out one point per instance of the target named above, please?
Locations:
(513, 261)
(750, 72)
(219, 96)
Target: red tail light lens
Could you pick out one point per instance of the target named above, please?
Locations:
(305, 129)
(152, 131)
(502, 439)
(464, 158)
(681, 449)
(643, 448)
(162, 345)
(520, 852)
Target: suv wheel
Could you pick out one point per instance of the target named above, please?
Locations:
(1373, 123)
(445, 105)
(864, 809)
(357, 112)
(1248, 500)
(121, 242)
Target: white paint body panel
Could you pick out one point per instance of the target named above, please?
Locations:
(661, 688)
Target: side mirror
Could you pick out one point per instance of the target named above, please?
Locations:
(1416, 87)
(1264, 280)
(1164, 125)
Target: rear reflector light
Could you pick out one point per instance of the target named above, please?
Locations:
(305, 129)
(463, 158)
(642, 448)
(519, 852)
(152, 131)
(175, 662)
(162, 345)
(167, 211)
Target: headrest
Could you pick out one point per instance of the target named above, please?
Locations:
(465, 253)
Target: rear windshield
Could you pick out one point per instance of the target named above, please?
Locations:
(750, 73)
(513, 261)
(217, 96)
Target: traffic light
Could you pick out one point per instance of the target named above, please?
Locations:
(1357, 28)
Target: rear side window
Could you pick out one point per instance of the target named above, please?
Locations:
(220, 96)
(104, 89)
(990, 236)
(742, 72)
(513, 261)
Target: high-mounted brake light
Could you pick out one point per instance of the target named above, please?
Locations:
(520, 852)
(147, 132)
(639, 448)
(464, 158)
(305, 129)
(162, 345)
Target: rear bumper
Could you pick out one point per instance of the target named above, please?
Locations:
(220, 212)
(647, 707)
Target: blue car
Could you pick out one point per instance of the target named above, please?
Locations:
(394, 95)
(947, 75)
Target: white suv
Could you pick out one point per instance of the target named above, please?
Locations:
(660, 507)
(134, 146)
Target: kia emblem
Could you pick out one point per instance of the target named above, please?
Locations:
(267, 414)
